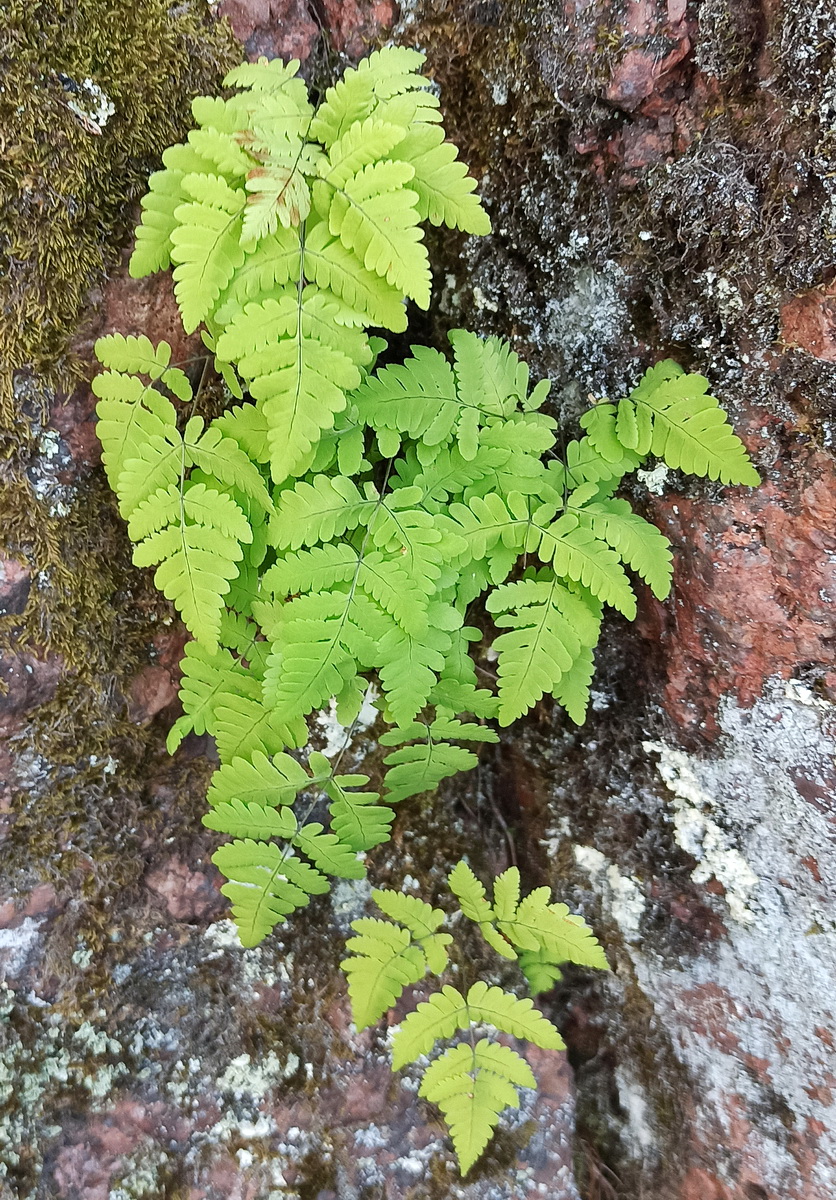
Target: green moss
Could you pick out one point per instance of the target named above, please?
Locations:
(67, 181)
(93, 91)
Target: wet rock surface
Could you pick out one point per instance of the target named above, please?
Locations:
(661, 182)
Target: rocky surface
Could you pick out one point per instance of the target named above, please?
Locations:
(661, 179)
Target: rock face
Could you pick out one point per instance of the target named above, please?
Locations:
(659, 178)
(662, 182)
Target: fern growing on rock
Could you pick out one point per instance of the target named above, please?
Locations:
(326, 537)
(472, 1081)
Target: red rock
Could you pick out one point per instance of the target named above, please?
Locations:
(14, 585)
(808, 322)
(699, 1185)
(274, 28)
(28, 682)
(152, 690)
(754, 588)
(632, 80)
(188, 895)
(644, 145)
(355, 26)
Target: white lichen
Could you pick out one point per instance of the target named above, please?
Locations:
(701, 837)
(621, 895)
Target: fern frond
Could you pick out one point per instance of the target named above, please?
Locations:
(259, 780)
(421, 767)
(265, 886)
(441, 727)
(205, 245)
(268, 75)
(318, 511)
(572, 689)
(600, 425)
(385, 73)
(328, 853)
(445, 190)
(374, 215)
(542, 646)
(332, 266)
(255, 821)
(137, 355)
(355, 817)
(470, 892)
(279, 193)
(310, 660)
(409, 665)
(152, 251)
(472, 1085)
(418, 398)
(692, 432)
(243, 725)
(638, 543)
(541, 973)
(206, 676)
(197, 560)
(277, 260)
(362, 143)
(381, 963)
(577, 554)
(300, 380)
(448, 1010)
(585, 465)
(224, 459)
(422, 921)
(130, 414)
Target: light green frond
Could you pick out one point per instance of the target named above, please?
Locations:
(205, 245)
(331, 265)
(299, 380)
(256, 821)
(265, 886)
(448, 1010)
(472, 1084)
(267, 75)
(130, 414)
(259, 780)
(421, 767)
(328, 853)
(363, 143)
(541, 974)
(356, 818)
(374, 215)
(244, 725)
(445, 190)
(275, 261)
(692, 433)
(541, 646)
(409, 667)
(636, 541)
(318, 511)
(471, 893)
(207, 675)
(577, 554)
(418, 398)
(382, 962)
(196, 565)
(223, 458)
(572, 689)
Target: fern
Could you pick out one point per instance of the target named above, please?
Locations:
(326, 538)
(474, 1081)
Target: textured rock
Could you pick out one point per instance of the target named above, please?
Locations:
(662, 180)
(652, 186)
